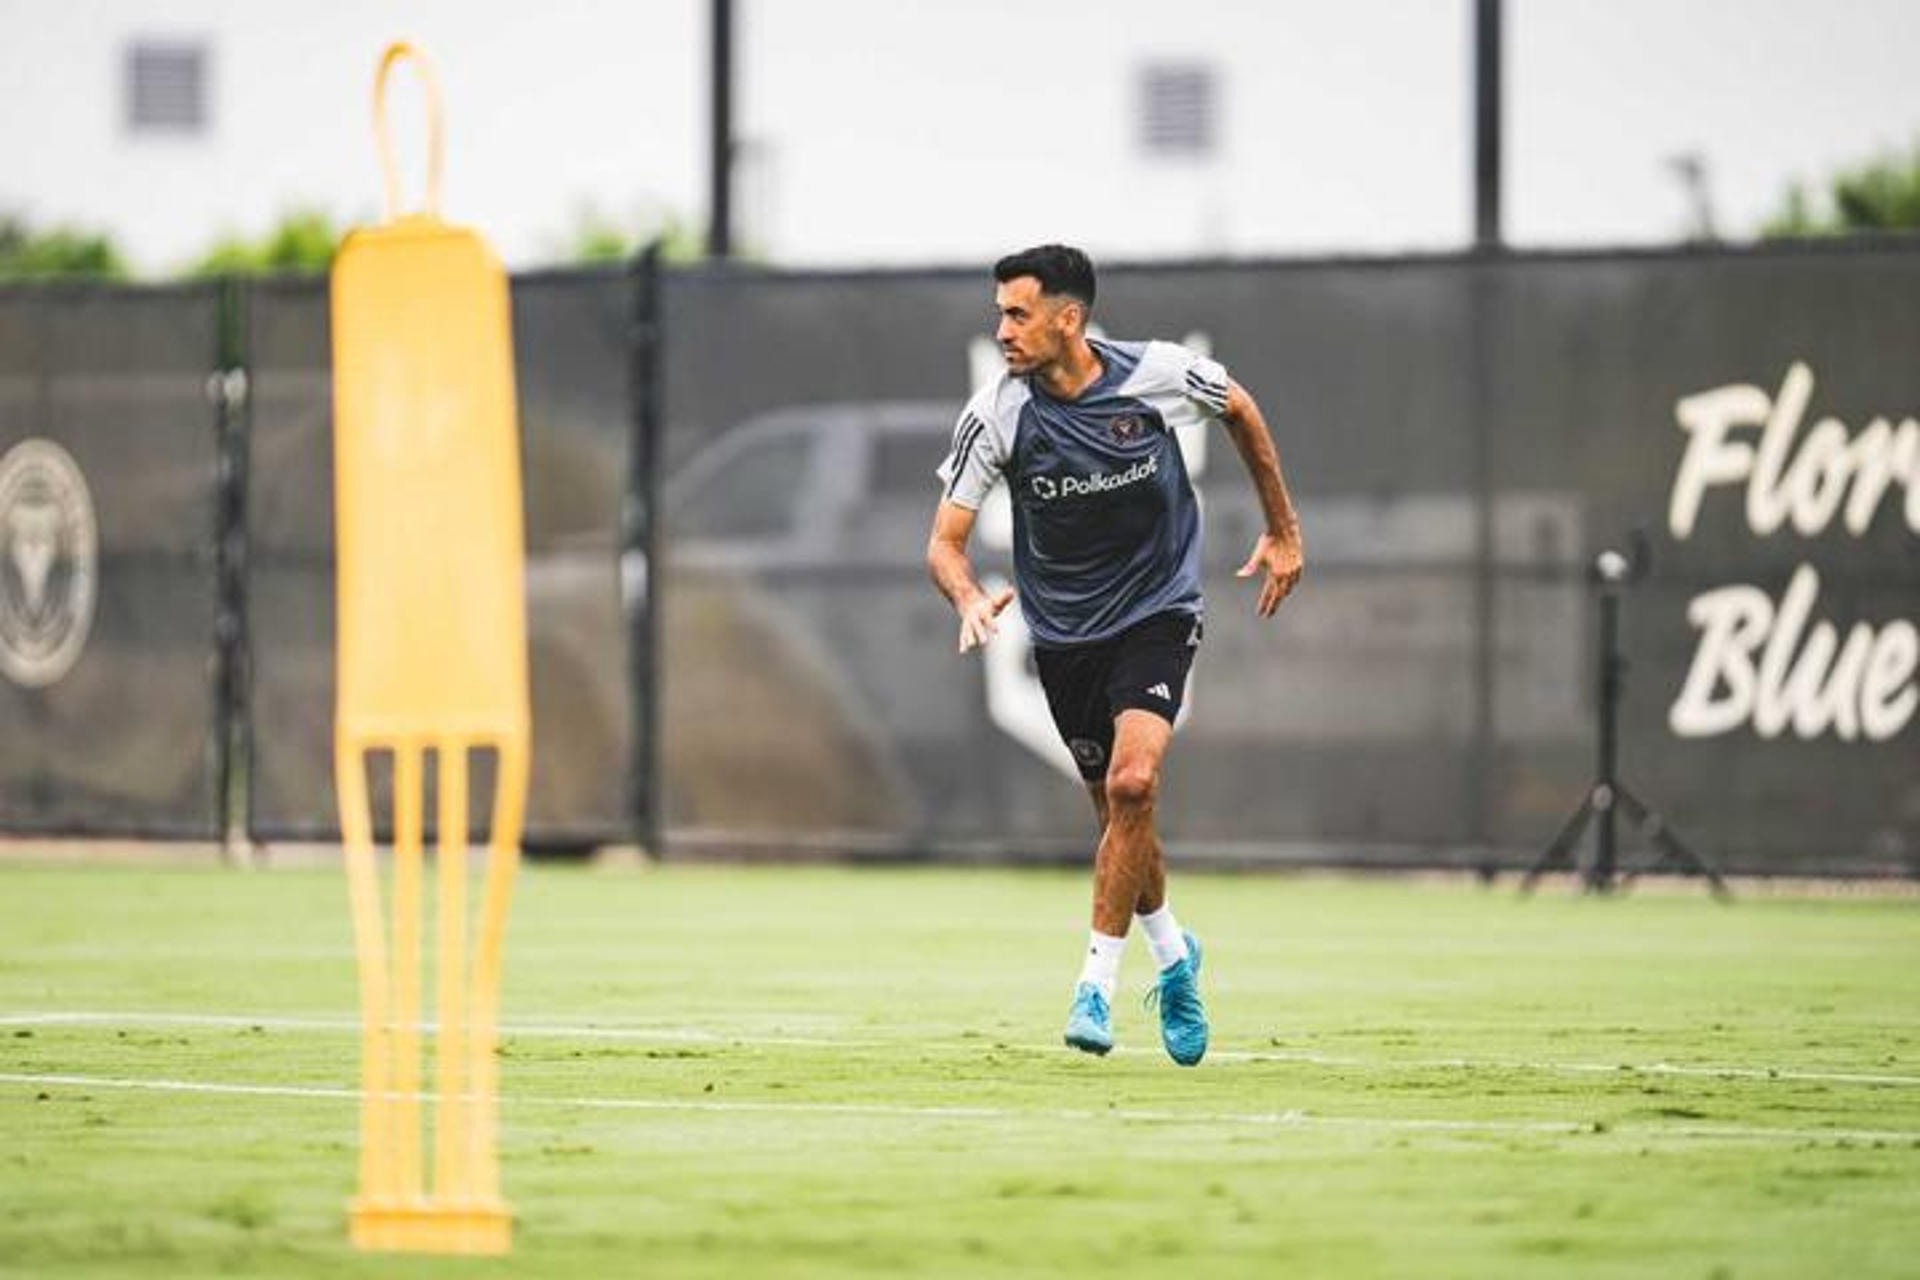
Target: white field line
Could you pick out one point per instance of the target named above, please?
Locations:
(699, 1035)
(272, 1022)
(1290, 1119)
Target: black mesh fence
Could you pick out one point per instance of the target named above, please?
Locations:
(1791, 754)
(1429, 697)
(290, 563)
(572, 335)
(1463, 437)
(810, 684)
(109, 449)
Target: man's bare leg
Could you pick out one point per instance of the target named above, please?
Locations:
(1126, 868)
(1129, 878)
(1153, 892)
(1128, 871)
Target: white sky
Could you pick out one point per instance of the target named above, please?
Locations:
(904, 131)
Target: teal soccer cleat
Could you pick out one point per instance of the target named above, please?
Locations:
(1183, 1019)
(1088, 1024)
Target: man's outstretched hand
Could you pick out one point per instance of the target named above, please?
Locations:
(1282, 561)
(978, 620)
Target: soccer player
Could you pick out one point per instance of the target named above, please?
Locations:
(1106, 548)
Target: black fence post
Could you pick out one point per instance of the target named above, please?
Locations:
(1487, 82)
(1484, 765)
(720, 139)
(640, 553)
(233, 718)
(1488, 240)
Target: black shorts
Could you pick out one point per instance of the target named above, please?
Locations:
(1143, 668)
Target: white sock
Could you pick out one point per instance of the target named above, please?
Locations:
(1102, 968)
(1164, 939)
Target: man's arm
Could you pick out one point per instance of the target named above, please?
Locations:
(952, 572)
(1278, 549)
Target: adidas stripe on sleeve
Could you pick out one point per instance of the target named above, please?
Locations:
(974, 463)
(1205, 382)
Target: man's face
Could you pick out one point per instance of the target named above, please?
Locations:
(1034, 329)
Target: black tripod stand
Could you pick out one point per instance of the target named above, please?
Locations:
(1609, 575)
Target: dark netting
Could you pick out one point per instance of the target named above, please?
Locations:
(806, 691)
(290, 563)
(571, 336)
(1342, 727)
(1595, 358)
(572, 344)
(1427, 698)
(109, 726)
(811, 691)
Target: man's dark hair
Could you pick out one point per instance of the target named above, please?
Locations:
(1061, 270)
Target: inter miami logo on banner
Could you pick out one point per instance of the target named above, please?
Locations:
(48, 557)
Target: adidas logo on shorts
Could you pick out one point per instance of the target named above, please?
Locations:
(1161, 692)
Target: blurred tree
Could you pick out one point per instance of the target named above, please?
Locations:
(597, 239)
(1881, 194)
(301, 244)
(61, 253)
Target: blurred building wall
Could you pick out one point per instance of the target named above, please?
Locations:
(881, 132)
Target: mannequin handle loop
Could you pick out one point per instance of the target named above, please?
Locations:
(401, 51)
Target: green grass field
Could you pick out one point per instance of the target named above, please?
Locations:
(826, 1072)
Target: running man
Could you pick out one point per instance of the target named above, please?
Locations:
(1106, 547)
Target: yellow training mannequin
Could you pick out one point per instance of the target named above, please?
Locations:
(432, 655)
